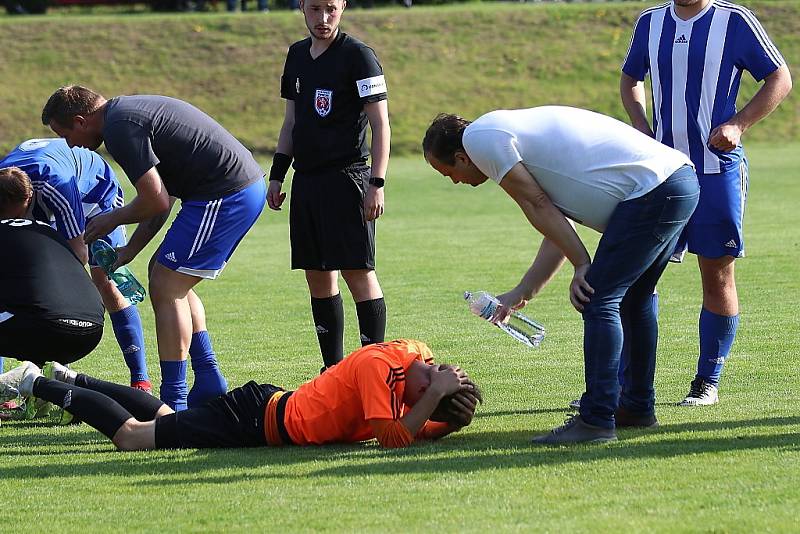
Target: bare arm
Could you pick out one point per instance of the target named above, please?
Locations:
(445, 381)
(554, 226)
(548, 261)
(378, 117)
(79, 248)
(777, 85)
(285, 135)
(274, 196)
(634, 101)
(151, 199)
(144, 233)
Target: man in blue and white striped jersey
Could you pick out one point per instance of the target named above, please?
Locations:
(695, 52)
(70, 187)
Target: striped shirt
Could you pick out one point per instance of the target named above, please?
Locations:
(695, 67)
(71, 185)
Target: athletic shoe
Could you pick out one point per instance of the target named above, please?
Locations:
(701, 393)
(57, 371)
(575, 430)
(626, 418)
(143, 385)
(575, 404)
(61, 373)
(18, 382)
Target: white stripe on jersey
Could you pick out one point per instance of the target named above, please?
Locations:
(680, 72)
(61, 204)
(654, 37)
(90, 210)
(763, 39)
(708, 91)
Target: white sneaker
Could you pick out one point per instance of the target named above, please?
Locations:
(18, 382)
(701, 393)
(57, 371)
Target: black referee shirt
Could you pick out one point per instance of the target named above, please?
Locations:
(41, 277)
(329, 93)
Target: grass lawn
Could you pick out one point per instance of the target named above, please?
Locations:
(732, 467)
(463, 58)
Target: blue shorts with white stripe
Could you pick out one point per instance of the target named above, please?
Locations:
(204, 234)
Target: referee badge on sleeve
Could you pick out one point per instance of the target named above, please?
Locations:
(371, 86)
(323, 101)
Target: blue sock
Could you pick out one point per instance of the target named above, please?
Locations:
(173, 385)
(717, 333)
(128, 330)
(208, 380)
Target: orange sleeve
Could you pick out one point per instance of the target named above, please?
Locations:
(377, 383)
(391, 433)
(434, 430)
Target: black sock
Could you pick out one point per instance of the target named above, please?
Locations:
(97, 410)
(329, 322)
(371, 320)
(141, 405)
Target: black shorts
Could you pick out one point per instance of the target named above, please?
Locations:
(327, 228)
(37, 340)
(235, 419)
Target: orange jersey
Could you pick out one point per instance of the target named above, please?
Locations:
(336, 406)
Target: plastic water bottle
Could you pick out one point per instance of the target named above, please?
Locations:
(105, 256)
(518, 326)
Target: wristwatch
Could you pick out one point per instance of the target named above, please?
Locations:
(377, 182)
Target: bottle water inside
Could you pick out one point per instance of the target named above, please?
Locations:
(105, 256)
(518, 326)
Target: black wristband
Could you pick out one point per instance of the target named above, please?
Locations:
(280, 166)
(377, 182)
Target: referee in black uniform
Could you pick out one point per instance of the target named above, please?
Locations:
(333, 85)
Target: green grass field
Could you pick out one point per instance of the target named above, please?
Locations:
(732, 467)
(465, 59)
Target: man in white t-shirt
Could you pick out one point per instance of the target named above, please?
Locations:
(560, 163)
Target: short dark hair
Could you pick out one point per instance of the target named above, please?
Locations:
(443, 137)
(69, 101)
(15, 188)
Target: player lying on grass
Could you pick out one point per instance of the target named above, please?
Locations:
(388, 391)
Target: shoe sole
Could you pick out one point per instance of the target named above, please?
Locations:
(556, 443)
(692, 404)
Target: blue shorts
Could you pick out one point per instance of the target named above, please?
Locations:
(204, 234)
(715, 229)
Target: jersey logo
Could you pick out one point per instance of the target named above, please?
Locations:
(681, 40)
(323, 102)
(34, 144)
(297, 85)
(371, 86)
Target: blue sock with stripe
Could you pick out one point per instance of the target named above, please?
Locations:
(717, 333)
(208, 380)
(173, 384)
(127, 326)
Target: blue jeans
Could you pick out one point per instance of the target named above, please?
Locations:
(630, 258)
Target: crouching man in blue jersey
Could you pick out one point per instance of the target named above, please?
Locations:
(71, 186)
(170, 149)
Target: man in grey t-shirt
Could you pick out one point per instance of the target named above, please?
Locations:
(169, 148)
